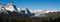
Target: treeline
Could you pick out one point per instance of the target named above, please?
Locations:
(17, 17)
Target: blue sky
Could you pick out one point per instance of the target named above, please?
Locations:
(35, 4)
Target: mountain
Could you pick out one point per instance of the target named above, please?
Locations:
(53, 15)
(11, 7)
(25, 11)
(2, 9)
(20, 10)
(12, 11)
(42, 12)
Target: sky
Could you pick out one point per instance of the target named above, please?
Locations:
(34, 4)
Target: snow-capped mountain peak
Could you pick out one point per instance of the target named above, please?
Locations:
(10, 7)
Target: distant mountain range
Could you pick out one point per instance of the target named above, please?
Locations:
(39, 12)
(11, 10)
